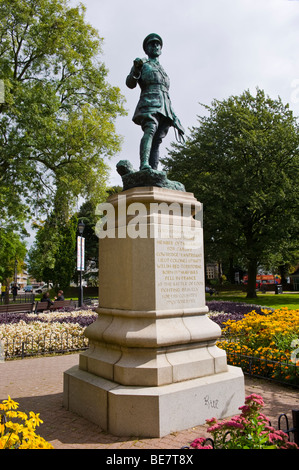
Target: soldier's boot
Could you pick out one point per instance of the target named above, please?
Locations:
(154, 154)
(145, 149)
(159, 135)
(144, 165)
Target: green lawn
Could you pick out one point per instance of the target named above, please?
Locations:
(270, 299)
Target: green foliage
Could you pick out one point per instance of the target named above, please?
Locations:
(65, 262)
(242, 163)
(57, 122)
(87, 215)
(11, 249)
(52, 258)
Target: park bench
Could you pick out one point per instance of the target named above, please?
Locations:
(60, 304)
(17, 308)
(42, 306)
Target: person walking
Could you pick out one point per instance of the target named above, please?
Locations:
(14, 291)
(3, 293)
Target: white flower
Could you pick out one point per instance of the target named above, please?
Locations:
(42, 336)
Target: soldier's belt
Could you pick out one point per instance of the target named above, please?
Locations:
(156, 88)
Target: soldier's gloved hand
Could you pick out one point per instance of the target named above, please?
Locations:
(138, 63)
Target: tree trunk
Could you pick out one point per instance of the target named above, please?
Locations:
(252, 272)
(282, 271)
(231, 270)
(220, 280)
(6, 298)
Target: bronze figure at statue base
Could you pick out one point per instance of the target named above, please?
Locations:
(146, 177)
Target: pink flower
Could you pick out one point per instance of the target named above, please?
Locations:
(262, 422)
(255, 399)
(234, 424)
(274, 437)
(245, 409)
(199, 441)
(200, 444)
(264, 418)
(279, 433)
(215, 428)
(253, 396)
(249, 422)
(235, 418)
(289, 445)
(243, 419)
(211, 421)
(269, 428)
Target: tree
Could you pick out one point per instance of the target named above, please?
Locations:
(242, 163)
(57, 121)
(52, 258)
(284, 261)
(65, 262)
(12, 255)
(12, 245)
(87, 214)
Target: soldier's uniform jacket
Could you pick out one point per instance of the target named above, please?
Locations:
(154, 98)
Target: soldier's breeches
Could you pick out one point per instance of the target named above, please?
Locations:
(150, 142)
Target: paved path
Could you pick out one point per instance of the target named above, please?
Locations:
(37, 384)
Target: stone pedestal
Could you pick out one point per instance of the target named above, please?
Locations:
(152, 366)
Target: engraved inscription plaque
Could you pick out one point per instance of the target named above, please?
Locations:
(180, 270)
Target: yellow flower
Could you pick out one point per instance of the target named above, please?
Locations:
(267, 336)
(35, 418)
(22, 415)
(14, 435)
(12, 414)
(10, 404)
(2, 428)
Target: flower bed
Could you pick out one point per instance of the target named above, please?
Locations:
(28, 334)
(24, 334)
(266, 344)
(81, 316)
(222, 311)
(262, 342)
(249, 430)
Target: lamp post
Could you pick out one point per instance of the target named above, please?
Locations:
(80, 259)
(16, 270)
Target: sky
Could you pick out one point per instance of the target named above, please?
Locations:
(212, 49)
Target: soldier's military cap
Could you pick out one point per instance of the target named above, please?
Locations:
(152, 37)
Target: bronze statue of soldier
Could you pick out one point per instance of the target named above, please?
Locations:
(154, 112)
